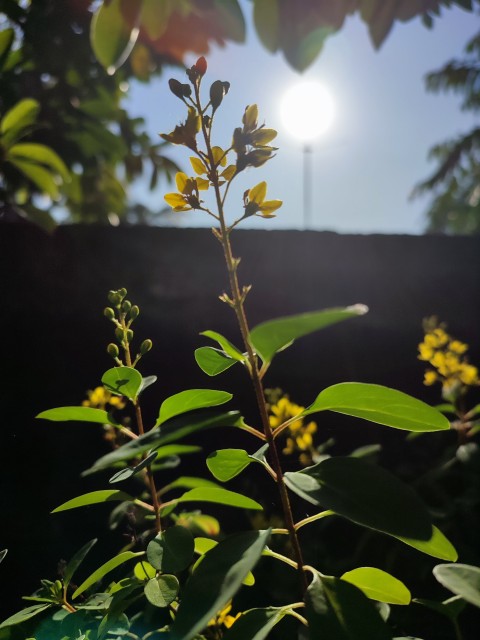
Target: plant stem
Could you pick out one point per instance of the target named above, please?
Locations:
(238, 306)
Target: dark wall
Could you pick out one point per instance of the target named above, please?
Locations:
(53, 290)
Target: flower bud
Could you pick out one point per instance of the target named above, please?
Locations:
(112, 350)
(129, 333)
(109, 313)
(119, 334)
(122, 292)
(201, 66)
(134, 312)
(145, 347)
(114, 298)
(126, 306)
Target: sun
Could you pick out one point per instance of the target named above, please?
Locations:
(307, 110)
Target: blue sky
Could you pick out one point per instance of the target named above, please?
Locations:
(366, 165)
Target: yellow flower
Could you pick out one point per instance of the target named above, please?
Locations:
(186, 133)
(255, 203)
(299, 434)
(250, 142)
(188, 197)
(223, 617)
(430, 377)
(101, 398)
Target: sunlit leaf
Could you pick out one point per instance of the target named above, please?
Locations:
(365, 494)
(24, 615)
(220, 496)
(102, 571)
(461, 579)
(190, 400)
(21, 116)
(451, 608)
(77, 414)
(94, 497)
(381, 405)
(225, 344)
(228, 463)
(7, 36)
(213, 361)
(162, 591)
(40, 154)
(124, 381)
(437, 546)
(216, 580)
(273, 336)
(143, 570)
(41, 177)
(266, 18)
(378, 585)
(154, 17)
(189, 482)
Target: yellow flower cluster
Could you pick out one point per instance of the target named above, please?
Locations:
(100, 398)
(447, 357)
(299, 434)
(223, 617)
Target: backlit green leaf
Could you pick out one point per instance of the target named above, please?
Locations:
(381, 405)
(230, 16)
(220, 496)
(77, 414)
(19, 117)
(365, 494)
(24, 615)
(255, 624)
(94, 497)
(112, 35)
(155, 17)
(266, 17)
(124, 381)
(461, 579)
(437, 546)
(42, 178)
(7, 36)
(102, 571)
(190, 400)
(216, 580)
(273, 336)
(40, 154)
(213, 361)
(171, 550)
(378, 585)
(189, 482)
(228, 463)
(225, 344)
(336, 609)
(162, 591)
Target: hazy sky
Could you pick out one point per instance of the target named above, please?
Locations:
(366, 165)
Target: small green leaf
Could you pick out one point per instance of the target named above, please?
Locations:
(77, 414)
(143, 570)
(225, 344)
(113, 36)
(162, 591)
(76, 561)
(94, 497)
(220, 496)
(190, 400)
(266, 17)
(7, 36)
(378, 585)
(124, 381)
(189, 482)
(171, 550)
(175, 429)
(451, 608)
(21, 116)
(128, 472)
(3, 553)
(216, 580)
(228, 463)
(255, 624)
(461, 579)
(42, 178)
(24, 615)
(437, 546)
(102, 571)
(380, 405)
(113, 624)
(41, 154)
(213, 361)
(337, 609)
(271, 337)
(365, 494)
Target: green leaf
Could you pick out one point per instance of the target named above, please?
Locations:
(124, 381)
(437, 546)
(231, 19)
(202, 545)
(162, 591)
(24, 615)
(77, 414)
(21, 116)
(337, 609)
(190, 400)
(76, 561)
(171, 550)
(102, 571)
(112, 35)
(450, 608)
(189, 482)
(255, 624)
(307, 50)
(365, 494)
(147, 382)
(114, 623)
(380, 405)
(461, 579)
(42, 178)
(228, 463)
(213, 361)
(216, 580)
(271, 337)
(220, 496)
(3, 553)
(7, 36)
(143, 571)
(40, 154)
(378, 585)
(175, 429)
(94, 497)
(225, 344)
(266, 17)
(124, 474)
(155, 16)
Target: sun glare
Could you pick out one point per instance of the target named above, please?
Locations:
(307, 110)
